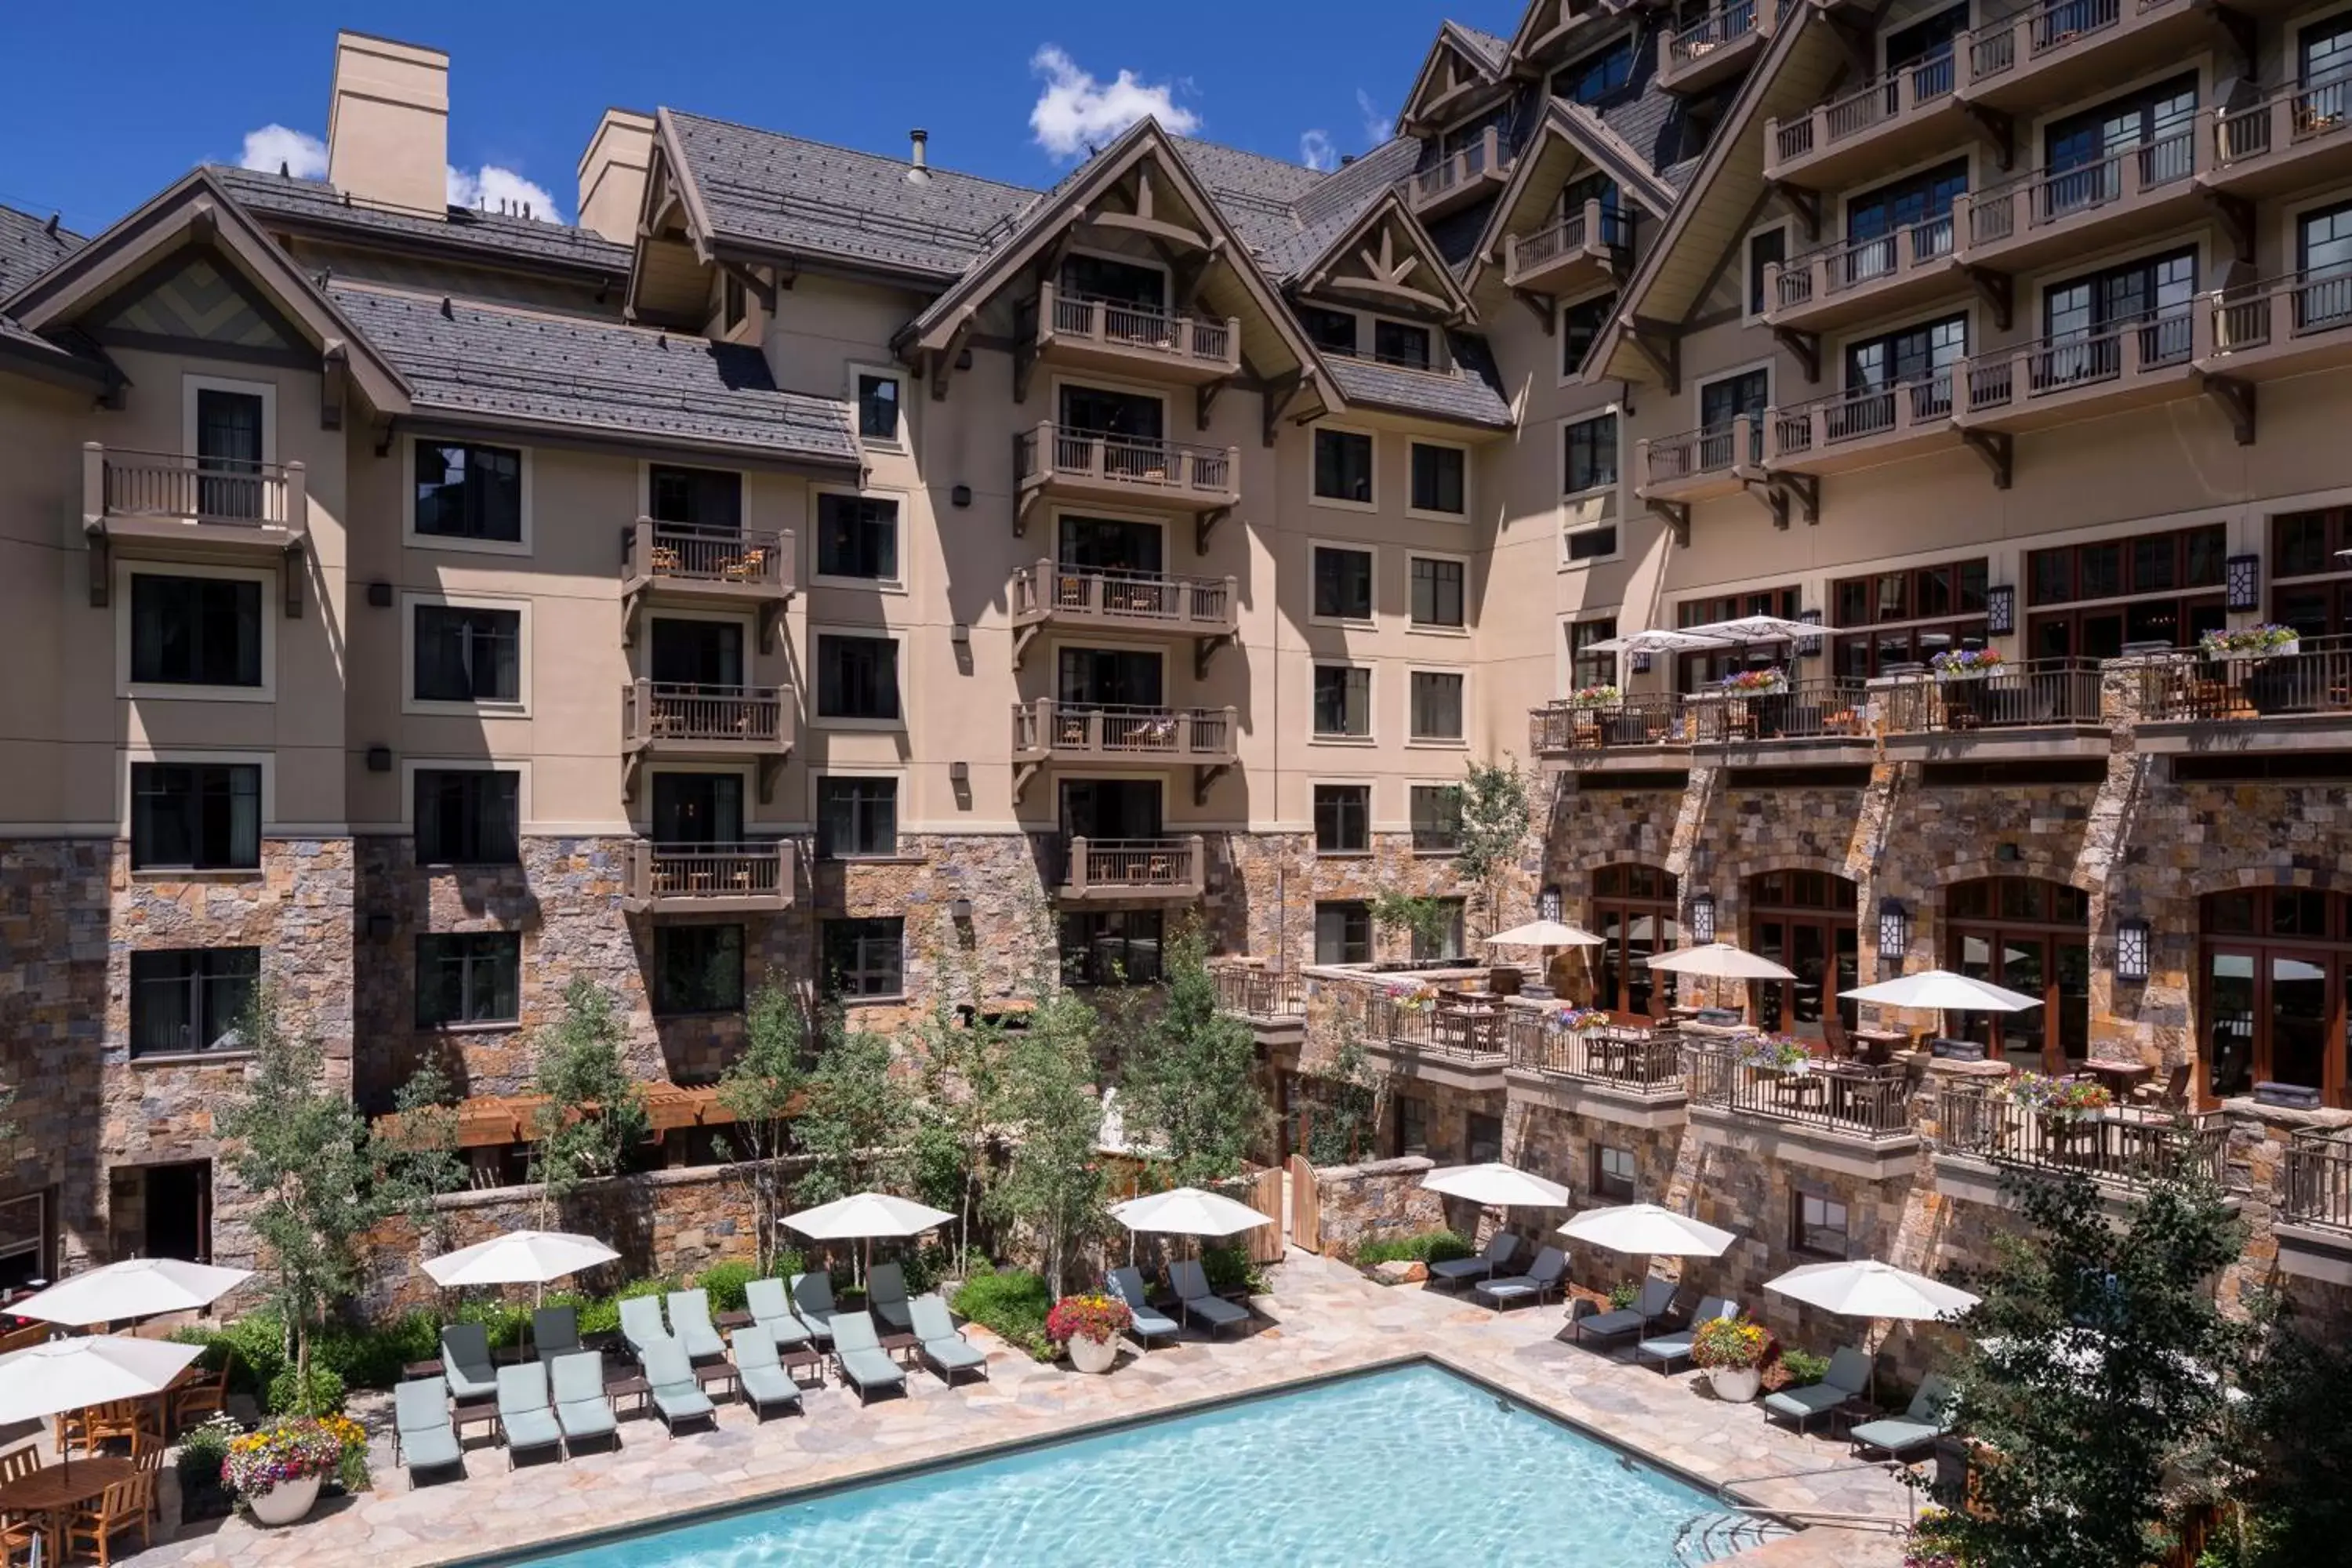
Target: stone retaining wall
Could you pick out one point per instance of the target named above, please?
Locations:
(1384, 1198)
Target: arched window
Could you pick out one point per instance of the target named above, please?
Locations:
(1634, 914)
(1802, 921)
(2030, 936)
(2275, 965)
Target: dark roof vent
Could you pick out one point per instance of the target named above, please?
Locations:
(1345, 159)
(918, 157)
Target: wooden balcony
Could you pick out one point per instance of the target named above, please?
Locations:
(2124, 365)
(138, 503)
(1818, 720)
(1128, 339)
(662, 723)
(1716, 46)
(1844, 1115)
(2125, 1145)
(1058, 462)
(1585, 249)
(2282, 326)
(1856, 428)
(2312, 1220)
(707, 879)
(1698, 465)
(1171, 870)
(1459, 1044)
(1627, 1070)
(2292, 138)
(1249, 990)
(1843, 283)
(2041, 708)
(1637, 733)
(689, 566)
(1206, 609)
(2138, 191)
(1204, 739)
(2296, 698)
(1887, 122)
(1460, 178)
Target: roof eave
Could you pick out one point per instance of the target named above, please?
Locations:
(429, 414)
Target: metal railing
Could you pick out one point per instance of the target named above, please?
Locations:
(1045, 726)
(1471, 1033)
(1649, 719)
(2112, 353)
(1815, 709)
(691, 553)
(1636, 1057)
(1118, 324)
(1206, 604)
(1724, 24)
(1256, 993)
(664, 711)
(2311, 676)
(2250, 316)
(2318, 1178)
(1993, 48)
(2122, 1144)
(1858, 414)
(1140, 866)
(182, 487)
(1063, 452)
(2044, 691)
(708, 870)
(1866, 1102)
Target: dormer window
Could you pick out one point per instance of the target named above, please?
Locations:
(1331, 332)
(1598, 77)
(1399, 343)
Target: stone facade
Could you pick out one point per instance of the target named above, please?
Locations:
(1377, 1199)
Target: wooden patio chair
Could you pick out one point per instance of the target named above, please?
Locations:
(121, 1506)
(18, 1463)
(2172, 1096)
(137, 1421)
(149, 1465)
(201, 1398)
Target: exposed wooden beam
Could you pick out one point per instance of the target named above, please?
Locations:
(1999, 450)
(1676, 514)
(2236, 399)
(1807, 349)
(1204, 402)
(1204, 525)
(759, 288)
(1807, 489)
(1659, 342)
(1541, 304)
(1997, 289)
(1775, 500)
(1277, 394)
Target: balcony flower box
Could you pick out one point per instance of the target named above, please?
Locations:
(1775, 1055)
(1757, 682)
(1967, 663)
(1592, 697)
(1581, 1020)
(2269, 640)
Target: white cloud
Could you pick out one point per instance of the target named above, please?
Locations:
(498, 189)
(304, 155)
(1378, 127)
(1316, 151)
(1076, 110)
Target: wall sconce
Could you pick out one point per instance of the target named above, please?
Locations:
(1894, 930)
(2244, 576)
(960, 633)
(959, 911)
(379, 759)
(1809, 648)
(1702, 918)
(959, 496)
(380, 595)
(2132, 948)
(2001, 610)
(959, 773)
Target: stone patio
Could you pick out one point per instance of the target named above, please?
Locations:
(1322, 1317)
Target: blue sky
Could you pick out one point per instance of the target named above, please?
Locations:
(115, 101)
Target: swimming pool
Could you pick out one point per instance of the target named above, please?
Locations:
(1414, 1464)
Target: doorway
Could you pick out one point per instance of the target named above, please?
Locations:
(697, 653)
(698, 808)
(1804, 922)
(178, 1208)
(2031, 936)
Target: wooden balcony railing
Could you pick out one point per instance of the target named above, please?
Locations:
(1254, 992)
(2318, 1179)
(2287, 116)
(653, 711)
(2113, 354)
(1047, 727)
(748, 873)
(1134, 868)
(2039, 692)
(1996, 48)
(1060, 453)
(1818, 276)
(1483, 155)
(1686, 46)
(2313, 676)
(1648, 718)
(2271, 313)
(1592, 226)
(1472, 1034)
(176, 488)
(1201, 605)
(1857, 113)
(1857, 415)
(1631, 1056)
(1110, 323)
(1872, 1104)
(2124, 1143)
(2001, 213)
(1709, 451)
(737, 560)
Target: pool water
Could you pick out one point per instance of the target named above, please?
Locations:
(1412, 1465)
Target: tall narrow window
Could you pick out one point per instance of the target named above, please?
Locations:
(857, 677)
(1343, 933)
(858, 536)
(857, 816)
(1438, 479)
(877, 407)
(1590, 462)
(1343, 583)
(1343, 819)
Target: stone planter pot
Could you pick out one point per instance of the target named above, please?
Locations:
(284, 1502)
(1093, 1355)
(1735, 1384)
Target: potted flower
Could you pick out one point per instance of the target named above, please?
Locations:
(2065, 1106)
(1775, 1054)
(2264, 641)
(1088, 1327)
(1595, 696)
(1580, 1020)
(1732, 1352)
(1418, 997)
(1966, 663)
(276, 1471)
(1762, 682)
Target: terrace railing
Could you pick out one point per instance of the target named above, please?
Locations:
(2123, 1143)
(1836, 269)
(1816, 709)
(192, 489)
(689, 552)
(1649, 719)
(663, 711)
(2278, 309)
(2044, 691)
(1255, 991)
(2318, 1179)
(1859, 414)
(2314, 676)
(1871, 1103)
(1630, 1056)
(2008, 378)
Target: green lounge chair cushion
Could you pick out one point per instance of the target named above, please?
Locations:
(465, 1362)
(690, 1322)
(580, 1407)
(772, 1311)
(670, 1380)
(421, 1415)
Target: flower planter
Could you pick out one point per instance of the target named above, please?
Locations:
(1093, 1355)
(286, 1502)
(1738, 1384)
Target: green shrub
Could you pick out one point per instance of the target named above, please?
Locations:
(1229, 1267)
(326, 1393)
(1803, 1366)
(203, 1448)
(1624, 1295)
(1429, 1246)
(503, 1325)
(375, 1357)
(724, 1282)
(1012, 1304)
(254, 1347)
(926, 1267)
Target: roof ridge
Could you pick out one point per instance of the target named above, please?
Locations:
(853, 152)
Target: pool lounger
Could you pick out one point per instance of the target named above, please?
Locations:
(669, 1378)
(1127, 1284)
(1668, 1349)
(1198, 1301)
(1657, 1297)
(1501, 1248)
(1543, 1277)
(857, 1350)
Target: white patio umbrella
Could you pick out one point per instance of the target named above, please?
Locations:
(134, 1288)
(1719, 960)
(1760, 628)
(1496, 1185)
(1658, 640)
(520, 1257)
(1544, 933)
(44, 1380)
(1186, 1211)
(1944, 992)
(1867, 1287)
(861, 1216)
(1648, 1229)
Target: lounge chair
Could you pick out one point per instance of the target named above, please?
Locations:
(642, 1326)
(465, 1362)
(524, 1418)
(422, 1437)
(1668, 1349)
(946, 1349)
(886, 1297)
(1127, 1284)
(857, 1350)
(813, 1304)
(772, 1311)
(1543, 1277)
(1847, 1378)
(1502, 1248)
(690, 1325)
(580, 1407)
(1657, 1296)
(1922, 1424)
(759, 1373)
(1195, 1299)
(554, 1331)
(669, 1378)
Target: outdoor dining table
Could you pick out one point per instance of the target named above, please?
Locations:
(2120, 1077)
(54, 1491)
(1877, 1044)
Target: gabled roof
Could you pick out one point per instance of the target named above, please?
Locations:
(502, 239)
(30, 246)
(1546, 24)
(1565, 133)
(1323, 216)
(1423, 267)
(503, 366)
(197, 209)
(1461, 62)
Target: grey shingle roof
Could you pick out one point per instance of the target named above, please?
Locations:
(27, 249)
(763, 188)
(518, 366)
(1472, 397)
(1495, 50)
(499, 239)
(1334, 205)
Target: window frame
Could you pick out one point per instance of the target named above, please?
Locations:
(663, 1002)
(125, 631)
(821, 720)
(264, 765)
(1354, 913)
(1414, 445)
(1570, 421)
(412, 771)
(1573, 678)
(897, 440)
(197, 984)
(1460, 628)
(817, 816)
(1314, 795)
(1412, 735)
(819, 577)
(1413, 792)
(826, 972)
(1800, 1233)
(1370, 736)
(1613, 1186)
(1082, 974)
(412, 539)
(1314, 434)
(412, 601)
(1371, 554)
(417, 965)
(193, 382)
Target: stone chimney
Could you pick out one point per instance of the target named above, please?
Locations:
(613, 174)
(388, 123)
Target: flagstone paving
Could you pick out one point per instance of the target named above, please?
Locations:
(1320, 1318)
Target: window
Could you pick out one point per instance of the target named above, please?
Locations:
(1396, 342)
(1818, 1225)
(196, 631)
(858, 536)
(1920, 356)
(2306, 544)
(1343, 699)
(877, 406)
(1436, 592)
(467, 653)
(1804, 922)
(1342, 819)
(1944, 604)
(2275, 966)
(1438, 473)
(231, 429)
(1343, 465)
(1591, 455)
(2030, 936)
(467, 977)
(697, 969)
(185, 1000)
(1446, 941)
(1912, 214)
(1766, 249)
(866, 957)
(1436, 705)
(1722, 403)
(1413, 1126)
(2083, 316)
(1929, 39)
(1436, 818)
(1343, 933)
(1633, 916)
(1581, 326)
(1331, 332)
(733, 303)
(1482, 1139)
(1111, 947)
(857, 677)
(468, 492)
(2173, 583)
(1598, 77)
(1586, 668)
(197, 817)
(1692, 670)
(466, 816)
(25, 1243)
(857, 816)
(1592, 544)
(1343, 583)
(1613, 1172)
(702, 498)
(2089, 144)
(1110, 280)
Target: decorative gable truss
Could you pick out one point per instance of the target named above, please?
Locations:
(1454, 75)
(1385, 261)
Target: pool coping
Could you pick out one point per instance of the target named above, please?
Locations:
(1721, 1492)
